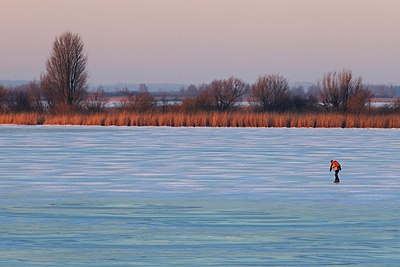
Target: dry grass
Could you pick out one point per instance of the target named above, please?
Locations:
(210, 119)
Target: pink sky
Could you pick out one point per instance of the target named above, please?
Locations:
(195, 41)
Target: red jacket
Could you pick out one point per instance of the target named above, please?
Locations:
(335, 165)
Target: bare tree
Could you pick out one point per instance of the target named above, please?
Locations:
(35, 94)
(144, 102)
(3, 98)
(330, 92)
(65, 82)
(204, 101)
(270, 92)
(18, 101)
(226, 92)
(127, 102)
(15, 99)
(140, 102)
(359, 100)
(96, 101)
(339, 90)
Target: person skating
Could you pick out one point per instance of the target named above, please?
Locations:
(336, 166)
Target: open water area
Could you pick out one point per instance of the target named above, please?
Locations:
(158, 196)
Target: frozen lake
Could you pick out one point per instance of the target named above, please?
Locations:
(117, 196)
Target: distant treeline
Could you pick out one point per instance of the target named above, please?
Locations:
(336, 92)
(61, 96)
(223, 103)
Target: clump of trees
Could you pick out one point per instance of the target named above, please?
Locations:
(270, 93)
(203, 101)
(219, 95)
(341, 92)
(25, 98)
(225, 93)
(95, 102)
(139, 102)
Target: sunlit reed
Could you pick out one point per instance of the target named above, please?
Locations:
(208, 119)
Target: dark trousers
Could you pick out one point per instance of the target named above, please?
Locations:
(336, 176)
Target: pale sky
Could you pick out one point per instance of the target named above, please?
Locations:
(196, 41)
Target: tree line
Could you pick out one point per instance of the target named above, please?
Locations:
(64, 88)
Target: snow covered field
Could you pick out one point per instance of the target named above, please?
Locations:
(198, 196)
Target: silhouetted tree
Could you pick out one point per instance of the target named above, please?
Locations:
(330, 92)
(17, 100)
(144, 102)
(138, 102)
(95, 102)
(35, 94)
(204, 101)
(20, 101)
(65, 82)
(338, 89)
(3, 99)
(359, 100)
(227, 92)
(164, 105)
(270, 92)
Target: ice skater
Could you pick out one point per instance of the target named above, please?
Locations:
(335, 165)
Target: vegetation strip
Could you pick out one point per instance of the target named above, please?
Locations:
(208, 119)
(61, 97)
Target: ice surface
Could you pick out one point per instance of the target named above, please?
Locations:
(198, 196)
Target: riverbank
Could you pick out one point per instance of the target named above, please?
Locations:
(208, 119)
(211, 119)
